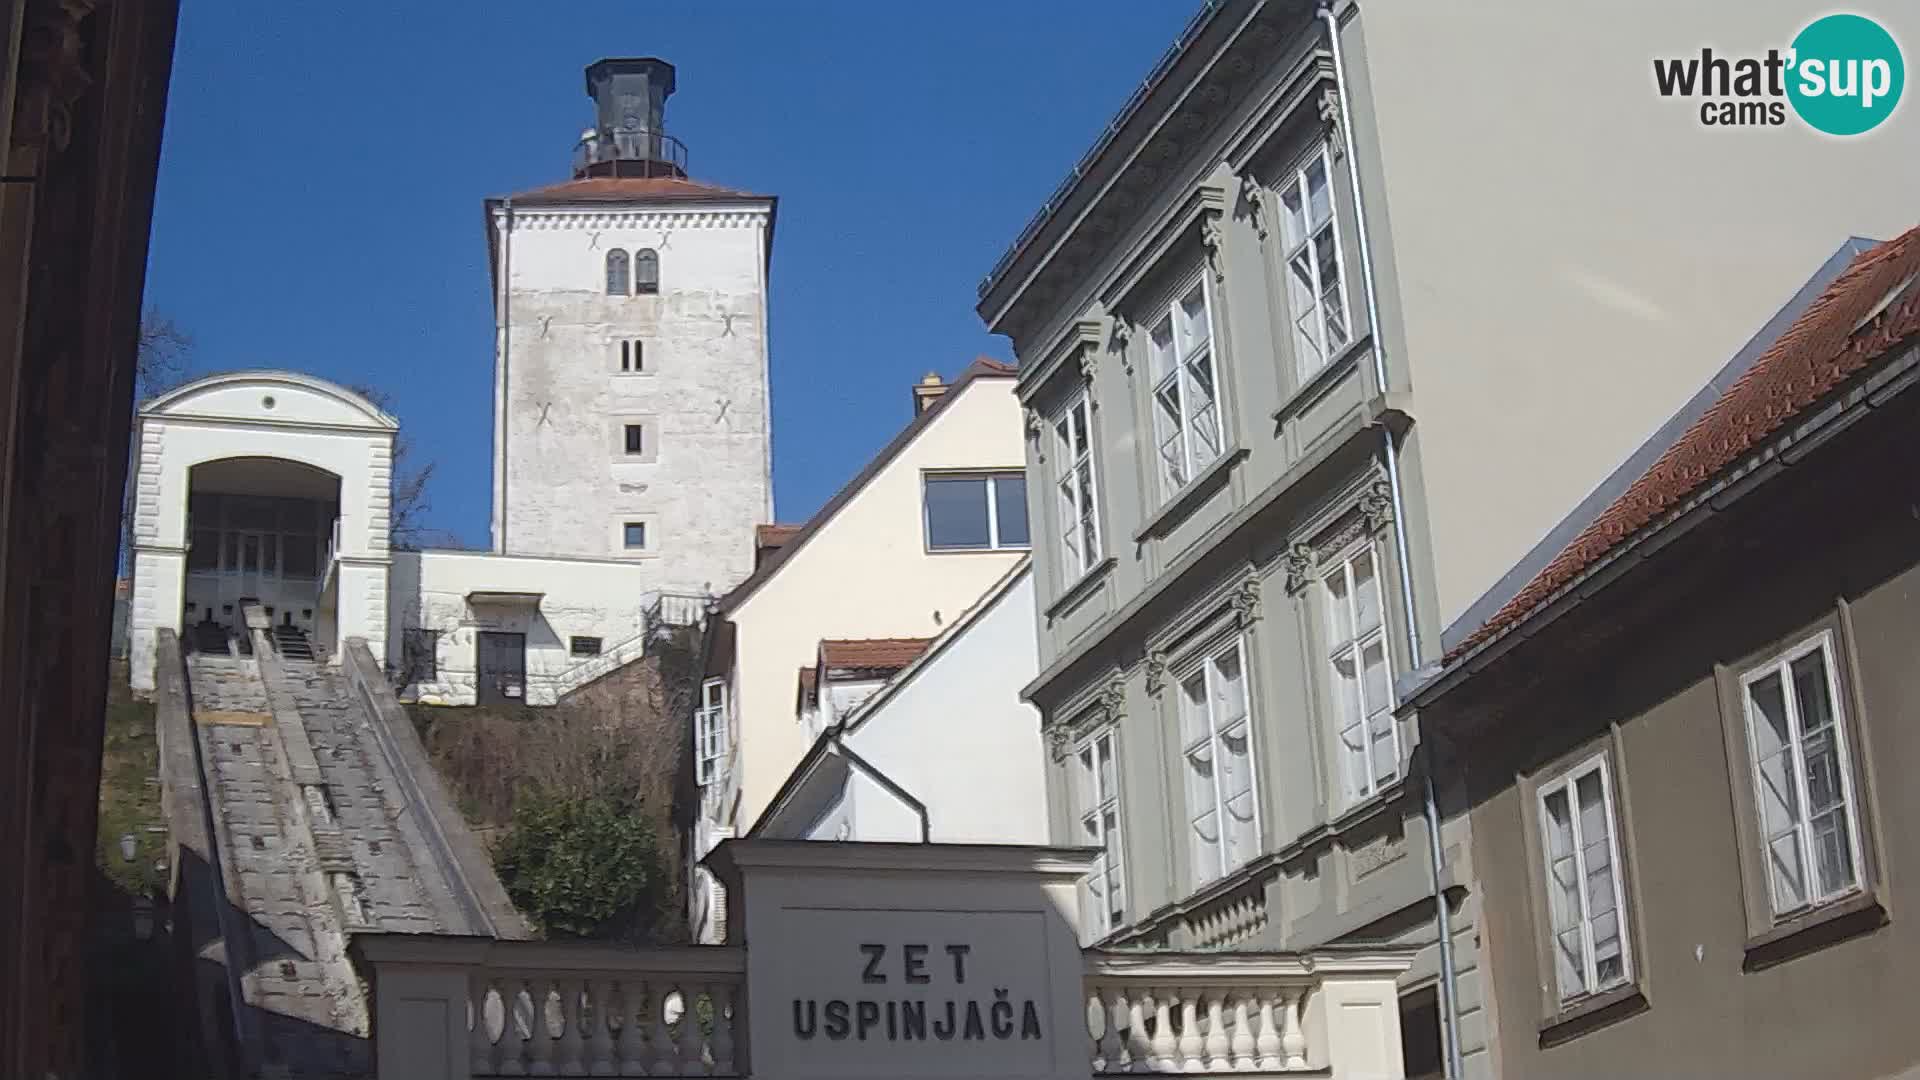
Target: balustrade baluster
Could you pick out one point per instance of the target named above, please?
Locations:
(516, 1026)
(1112, 1049)
(1190, 1042)
(693, 1058)
(1139, 1051)
(665, 1060)
(570, 1048)
(600, 1028)
(479, 1039)
(632, 1051)
(1242, 1034)
(1216, 1038)
(1164, 1046)
(540, 1042)
(722, 1043)
(1293, 1041)
(1266, 1041)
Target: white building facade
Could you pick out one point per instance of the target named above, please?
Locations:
(901, 552)
(944, 752)
(631, 448)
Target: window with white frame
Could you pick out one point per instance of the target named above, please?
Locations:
(1215, 731)
(1803, 778)
(1079, 519)
(1586, 892)
(976, 511)
(1096, 798)
(1316, 283)
(1186, 406)
(1369, 743)
(710, 731)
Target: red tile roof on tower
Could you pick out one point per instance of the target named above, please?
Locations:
(872, 654)
(773, 536)
(1822, 349)
(629, 189)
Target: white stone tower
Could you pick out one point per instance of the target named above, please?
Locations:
(631, 414)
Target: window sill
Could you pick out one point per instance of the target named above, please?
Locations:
(1183, 501)
(1592, 1013)
(1008, 549)
(1317, 384)
(1861, 913)
(1078, 591)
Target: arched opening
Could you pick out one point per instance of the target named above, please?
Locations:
(617, 273)
(259, 529)
(646, 272)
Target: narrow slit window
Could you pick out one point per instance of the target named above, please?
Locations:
(646, 272)
(618, 273)
(633, 357)
(636, 438)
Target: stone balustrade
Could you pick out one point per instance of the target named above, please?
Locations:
(469, 1007)
(1216, 1013)
(472, 1007)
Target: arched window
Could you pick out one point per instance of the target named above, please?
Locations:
(646, 271)
(617, 273)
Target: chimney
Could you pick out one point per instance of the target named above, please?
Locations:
(629, 135)
(926, 392)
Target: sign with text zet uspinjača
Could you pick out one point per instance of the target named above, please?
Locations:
(915, 993)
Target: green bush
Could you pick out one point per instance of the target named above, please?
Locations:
(585, 868)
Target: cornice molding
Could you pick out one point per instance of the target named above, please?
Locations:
(1079, 339)
(547, 219)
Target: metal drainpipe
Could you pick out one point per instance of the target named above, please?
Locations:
(506, 356)
(1449, 1010)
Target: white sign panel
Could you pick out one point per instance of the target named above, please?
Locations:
(870, 992)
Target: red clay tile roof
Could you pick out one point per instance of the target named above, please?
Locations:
(773, 536)
(627, 189)
(809, 685)
(1816, 354)
(872, 654)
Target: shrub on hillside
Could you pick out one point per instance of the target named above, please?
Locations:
(582, 867)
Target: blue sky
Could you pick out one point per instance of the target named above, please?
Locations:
(323, 170)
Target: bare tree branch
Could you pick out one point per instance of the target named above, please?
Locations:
(407, 529)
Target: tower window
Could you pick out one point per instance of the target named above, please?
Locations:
(646, 272)
(617, 273)
(633, 356)
(633, 535)
(636, 439)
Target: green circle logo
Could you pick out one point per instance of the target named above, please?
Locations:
(1846, 74)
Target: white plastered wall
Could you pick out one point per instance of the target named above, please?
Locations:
(600, 598)
(266, 414)
(562, 485)
(865, 573)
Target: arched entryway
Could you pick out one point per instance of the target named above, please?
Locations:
(258, 528)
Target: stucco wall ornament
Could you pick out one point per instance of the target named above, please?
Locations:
(1117, 342)
(1330, 117)
(1213, 236)
(1113, 699)
(1300, 560)
(1376, 506)
(1246, 601)
(1156, 672)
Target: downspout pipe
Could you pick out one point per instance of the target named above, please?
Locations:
(1449, 984)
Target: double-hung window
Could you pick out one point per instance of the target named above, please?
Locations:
(976, 511)
(1586, 894)
(1316, 285)
(1369, 744)
(1079, 522)
(1215, 731)
(710, 731)
(1096, 792)
(1808, 812)
(1186, 405)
